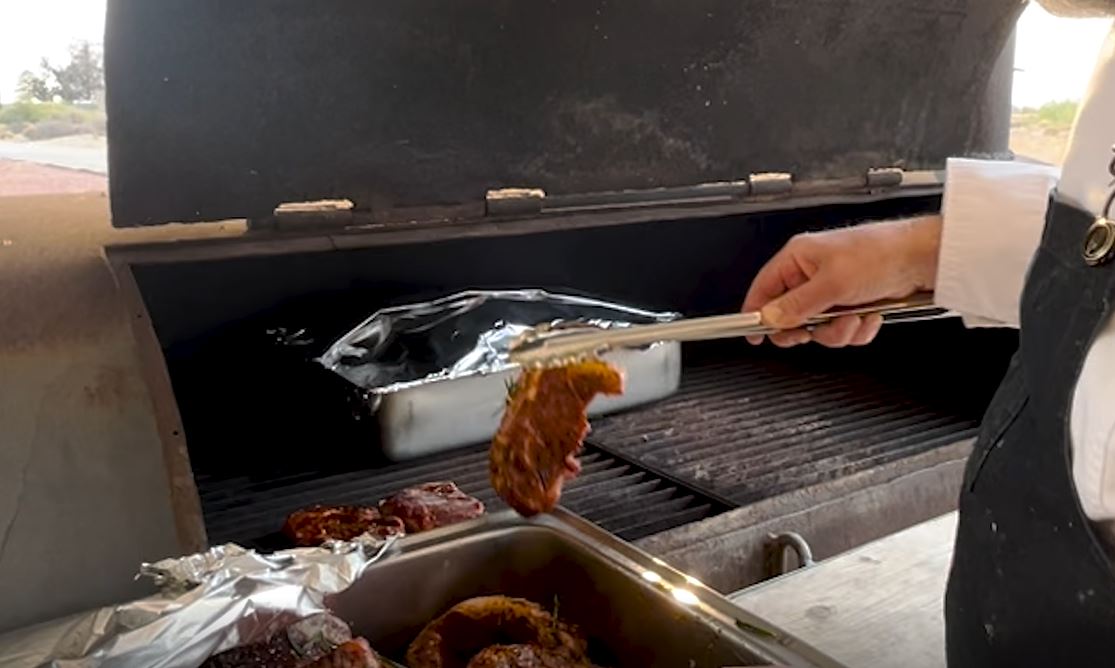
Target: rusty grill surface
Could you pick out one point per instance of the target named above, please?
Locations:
(746, 425)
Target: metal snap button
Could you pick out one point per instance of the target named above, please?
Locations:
(1099, 242)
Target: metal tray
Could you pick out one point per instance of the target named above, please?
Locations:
(436, 373)
(636, 611)
(439, 415)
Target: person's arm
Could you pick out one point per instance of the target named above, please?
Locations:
(975, 256)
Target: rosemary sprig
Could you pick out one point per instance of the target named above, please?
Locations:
(512, 385)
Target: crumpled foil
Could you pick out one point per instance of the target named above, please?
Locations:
(461, 335)
(208, 602)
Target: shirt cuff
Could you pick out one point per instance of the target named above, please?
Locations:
(994, 214)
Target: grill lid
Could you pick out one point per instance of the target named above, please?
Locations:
(224, 110)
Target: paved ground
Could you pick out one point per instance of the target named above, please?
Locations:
(25, 178)
(80, 152)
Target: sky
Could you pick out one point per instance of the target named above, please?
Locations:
(1054, 56)
(31, 29)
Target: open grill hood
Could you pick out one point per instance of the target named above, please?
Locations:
(224, 109)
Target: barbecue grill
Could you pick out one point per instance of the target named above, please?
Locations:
(652, 154)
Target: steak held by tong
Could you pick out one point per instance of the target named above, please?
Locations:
(543, 430)
(469, 628)
(313, 526)
(320, 641)
(432, 505)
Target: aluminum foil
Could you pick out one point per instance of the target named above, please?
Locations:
(461, 335)
(207, 603)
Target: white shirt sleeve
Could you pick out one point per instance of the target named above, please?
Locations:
(994, 213)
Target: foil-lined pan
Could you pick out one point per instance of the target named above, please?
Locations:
(207, 603)
(633, 609)
(436, 373)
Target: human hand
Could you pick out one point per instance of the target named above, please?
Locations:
(846, 267)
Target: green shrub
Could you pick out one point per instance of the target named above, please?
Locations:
(53, 129)
(14, 129)
(35, 112)
(47, 120)
(1058, 113)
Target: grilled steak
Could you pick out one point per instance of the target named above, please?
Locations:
(523, 656)
(353, 654)
(303, 641)
(313, 526)
(432, 505)
(470, 627)
(543, 430)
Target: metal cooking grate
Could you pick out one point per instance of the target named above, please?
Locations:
(620, 496)
(745, 425)
(751, 427)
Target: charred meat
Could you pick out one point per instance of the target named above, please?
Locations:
(313, 526)
(469, 628)
(543, 430)
(275, 651)
(432, 505)
(355, 653)
(320, 641)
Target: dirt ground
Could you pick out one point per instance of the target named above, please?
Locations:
(25, 178)
(1046, 144)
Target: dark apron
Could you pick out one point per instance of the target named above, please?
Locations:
(1031, 585)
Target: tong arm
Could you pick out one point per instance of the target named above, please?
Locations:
(561, 345)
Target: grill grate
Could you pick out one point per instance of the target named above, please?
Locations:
(745, 425)
(620, 496)
(746, 428)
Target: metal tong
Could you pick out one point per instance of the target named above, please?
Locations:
(541, 347)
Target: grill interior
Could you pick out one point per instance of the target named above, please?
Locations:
(270, 431)
(747, 424)
(615, 493)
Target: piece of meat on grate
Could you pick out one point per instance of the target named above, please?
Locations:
(543, 430)
(431, 505)
(313, 526)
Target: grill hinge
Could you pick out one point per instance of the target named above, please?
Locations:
(515, 201)
(884, 178)
(306, 215)
(771, 184)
